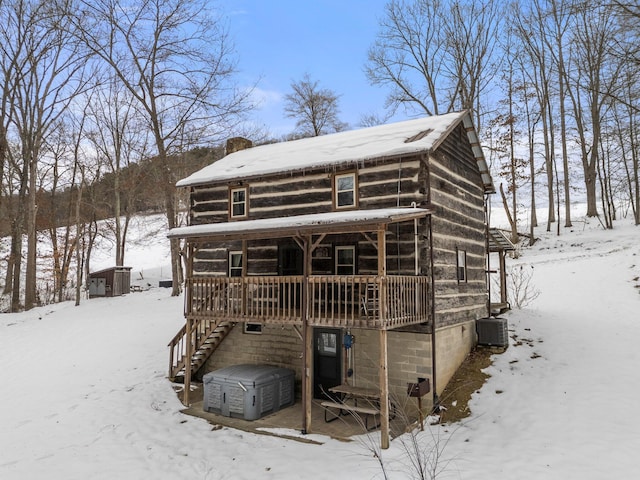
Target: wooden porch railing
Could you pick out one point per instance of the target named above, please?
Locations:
(359, 301)
(241, 299)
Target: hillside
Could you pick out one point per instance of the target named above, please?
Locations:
(140, 186)
(85, 393)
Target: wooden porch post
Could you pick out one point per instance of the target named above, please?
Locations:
(187, 364)
(307, 335)
(188, 297)
(384, 372)
(503, 277)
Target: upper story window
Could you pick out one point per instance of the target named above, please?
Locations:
(461, 264)
(345, 190)
(346, 260)
(238, 202)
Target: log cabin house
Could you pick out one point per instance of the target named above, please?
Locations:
(357, 257)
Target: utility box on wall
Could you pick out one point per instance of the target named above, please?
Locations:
(110, 282)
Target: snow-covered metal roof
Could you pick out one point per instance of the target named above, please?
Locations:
(394, 139)
(334, 222)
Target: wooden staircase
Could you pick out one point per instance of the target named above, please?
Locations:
(206, 336)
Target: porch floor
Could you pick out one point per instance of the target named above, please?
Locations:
(287, 423)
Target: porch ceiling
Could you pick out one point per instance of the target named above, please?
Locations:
(313, 224)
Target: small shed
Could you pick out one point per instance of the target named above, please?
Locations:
(110, 282)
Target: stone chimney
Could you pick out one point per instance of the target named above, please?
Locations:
(236, 144)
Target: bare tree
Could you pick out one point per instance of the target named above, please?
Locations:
(46, 72)
(530, 28)
(627, 130)
(592, 82)
(119, 141)
(315, 109)
(436, 56)
(409, 55)
(560, 22)
(506, 134)
(175, 59)
(57, 216)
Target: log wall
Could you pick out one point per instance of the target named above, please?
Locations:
(384, 184)
(458, 224)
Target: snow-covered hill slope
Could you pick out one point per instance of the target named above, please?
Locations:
(84, 393)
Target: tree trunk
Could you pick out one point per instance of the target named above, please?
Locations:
(590, 176)
(32, 239)
(16, 255)
(512, 223)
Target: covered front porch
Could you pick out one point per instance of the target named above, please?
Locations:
(379, 302)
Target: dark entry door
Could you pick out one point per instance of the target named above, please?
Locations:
(290, 262)
(327, 360)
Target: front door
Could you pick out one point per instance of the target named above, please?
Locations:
(327, 360)
(290, 263)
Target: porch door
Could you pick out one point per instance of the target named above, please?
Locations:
(327, 360)
(290, 263)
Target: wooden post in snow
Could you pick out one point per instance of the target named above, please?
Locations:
(187, 364)
(307, 335)
(384, 373)
(503, 278)
(188, 331)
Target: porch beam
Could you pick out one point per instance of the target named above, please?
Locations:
(317, 242)
(370, 240)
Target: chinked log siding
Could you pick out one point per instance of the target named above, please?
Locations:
(458, 223)
(388, 183)
(385, 183)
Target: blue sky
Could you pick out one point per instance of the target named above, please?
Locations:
(278, 41)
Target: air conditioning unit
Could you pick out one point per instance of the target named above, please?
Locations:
(492, 332)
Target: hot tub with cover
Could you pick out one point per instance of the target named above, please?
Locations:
(248, 391)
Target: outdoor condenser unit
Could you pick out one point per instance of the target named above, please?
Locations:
(248, 391)
(492, 332)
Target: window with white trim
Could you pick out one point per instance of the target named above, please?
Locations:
(344, 188)
(235, 264)
(461, 265)
(238, 200)
(346, 260)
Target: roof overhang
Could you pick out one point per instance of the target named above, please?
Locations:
(299, 225)
(483, 167)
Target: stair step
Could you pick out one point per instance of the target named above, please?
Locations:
(210, 338)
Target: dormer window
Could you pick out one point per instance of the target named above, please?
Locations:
(238, 202)
(345, 190)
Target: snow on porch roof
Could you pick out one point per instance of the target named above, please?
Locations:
(402, 138)
(331, 222)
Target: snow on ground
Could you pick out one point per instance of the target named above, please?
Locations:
(85, 395)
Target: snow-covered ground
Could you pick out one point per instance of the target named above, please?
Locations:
(84, 393)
